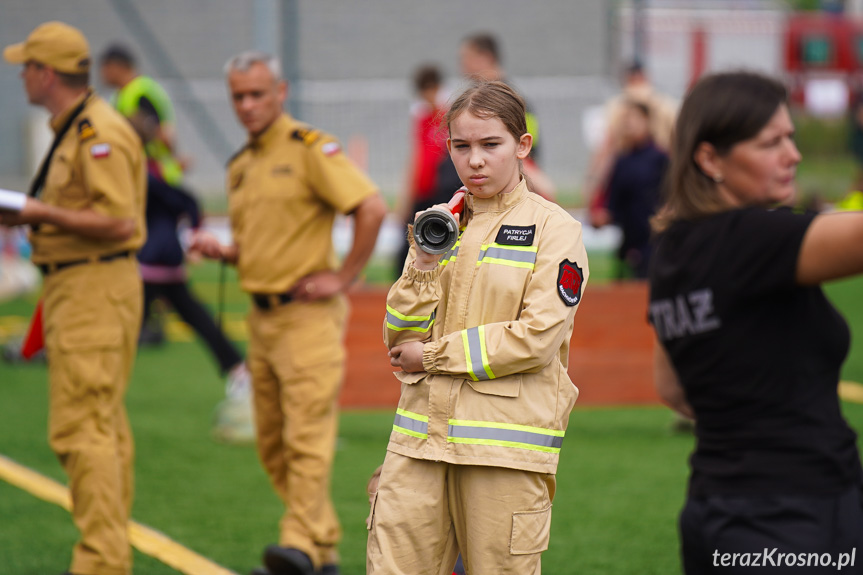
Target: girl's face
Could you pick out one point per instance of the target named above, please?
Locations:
(486, 156)
(760, 170)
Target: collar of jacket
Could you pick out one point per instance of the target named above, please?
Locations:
(276, 131)
(58, 121)
(500, 202)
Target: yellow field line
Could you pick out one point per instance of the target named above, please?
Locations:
(145, 539)
(851, 391)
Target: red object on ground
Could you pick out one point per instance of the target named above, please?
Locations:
(35, 339)
(610, 358)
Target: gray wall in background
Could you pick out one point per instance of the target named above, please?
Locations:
(355, 60)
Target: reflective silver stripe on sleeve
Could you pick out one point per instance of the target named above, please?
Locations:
(477, 364)
(400, 322)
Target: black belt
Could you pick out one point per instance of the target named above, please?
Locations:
(271, 300)
(57, 266)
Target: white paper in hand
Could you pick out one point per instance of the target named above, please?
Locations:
(12, 201)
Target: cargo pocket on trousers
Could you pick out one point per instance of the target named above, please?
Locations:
(79, 340)
(530, 531)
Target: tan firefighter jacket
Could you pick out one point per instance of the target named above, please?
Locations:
(496, 315)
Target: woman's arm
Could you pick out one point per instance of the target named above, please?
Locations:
(667, 384)
(832, 248)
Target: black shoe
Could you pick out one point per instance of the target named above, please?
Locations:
(331, 569)
(287, 561)
(151, 336)
(260, 571)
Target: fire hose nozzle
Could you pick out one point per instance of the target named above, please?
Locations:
(436, 229)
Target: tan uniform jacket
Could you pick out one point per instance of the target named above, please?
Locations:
(99, 165)
(497, 314)
(284, 190)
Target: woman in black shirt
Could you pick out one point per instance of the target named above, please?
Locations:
(749, 345)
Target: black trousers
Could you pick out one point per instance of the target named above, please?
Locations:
(197, 317)
(773, 534)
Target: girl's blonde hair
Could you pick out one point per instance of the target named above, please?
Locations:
(493, 99)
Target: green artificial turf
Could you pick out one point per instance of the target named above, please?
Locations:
(621, 480)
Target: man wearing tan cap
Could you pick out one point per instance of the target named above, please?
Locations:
(86, 211)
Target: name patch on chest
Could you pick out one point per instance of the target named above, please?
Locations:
(515, 235)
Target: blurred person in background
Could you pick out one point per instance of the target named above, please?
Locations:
(86, 212)
(853, 199)
(662, 111)
(748, 343)
(634, 187)
(429, 151)
(147, 106)
(481, 335)
(481, 59)
(285, 187)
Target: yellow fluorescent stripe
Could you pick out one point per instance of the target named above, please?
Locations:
(408, 317)
(525, 265)
(485, 364)
(514, 248)
(512, 426)
(419, 329)
(410, 432)
(145, 539)
(466, 344)
(412, 415)
(500, 443)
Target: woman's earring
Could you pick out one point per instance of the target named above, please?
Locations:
(718, 178)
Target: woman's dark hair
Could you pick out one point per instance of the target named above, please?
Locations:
(721, 110)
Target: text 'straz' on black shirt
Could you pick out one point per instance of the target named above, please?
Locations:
(758, 356)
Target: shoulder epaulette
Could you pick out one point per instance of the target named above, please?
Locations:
(307, 135)
(86, 130)
(236, 155)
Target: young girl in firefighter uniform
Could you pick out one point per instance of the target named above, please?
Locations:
(481, 335)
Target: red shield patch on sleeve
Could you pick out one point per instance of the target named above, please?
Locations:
(570, 277)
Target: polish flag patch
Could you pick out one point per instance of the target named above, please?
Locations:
(100, 150)
(331, 148)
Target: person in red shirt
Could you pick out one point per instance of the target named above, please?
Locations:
(429, 150)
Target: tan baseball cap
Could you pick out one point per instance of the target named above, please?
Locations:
(54, 44)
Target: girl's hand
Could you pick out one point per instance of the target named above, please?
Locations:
(408, 356)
